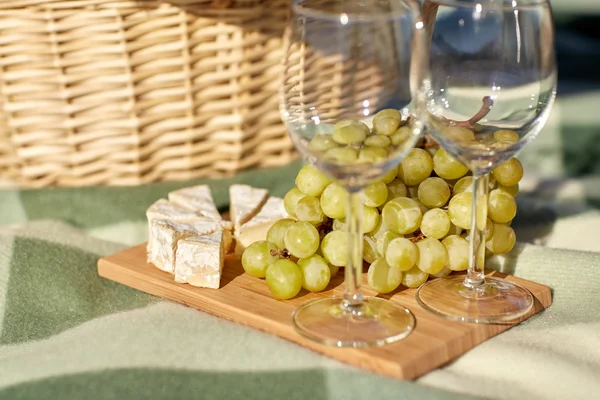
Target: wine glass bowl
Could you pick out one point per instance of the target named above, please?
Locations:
(345, 61)
(492, 68)
(490, 89)
(346, 99)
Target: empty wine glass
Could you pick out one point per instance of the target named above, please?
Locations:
(348, 69)
(491, 86)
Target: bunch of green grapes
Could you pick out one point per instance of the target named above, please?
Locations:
(354, 142)
(415, 220)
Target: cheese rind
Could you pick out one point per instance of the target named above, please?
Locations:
(198, 198)
(164, 209)
(200, 259)
(167, 233)
(245, 202)
(256, 229)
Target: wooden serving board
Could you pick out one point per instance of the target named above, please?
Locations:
(247, 300)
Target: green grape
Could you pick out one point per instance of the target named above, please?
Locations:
(333, 269)
(401, 253)
(386, 122)
(284, 279)
(276, 233)
(458, 133)
(414, 277)
(258, 256)
(384, 240)
(372, 154)
(509, 172)
(335, 248)
(505, 135)
(350, 132)
(382, 278)
(454, 230)
(342, 155)
(378, 141)
(302, 239)
(431, 150)
(333, 201)
(413, 192)
(370, 219)
(459, 210)
(291, 199)
(389, 176)
(433, 192)
(489, 229)
(502, 207)
(380, 231)
(443, 273)
(321, 143)
(311, 181)
(402, 215)
(338, 225)
(397, 189)
(401, 135)
(464, 184)
(446, 166)
(421, 206)
(503, 239)
(416, 167)
(458, 252)
(309, 209)
(315, 273)
(369, 249)
(512, 190)
(435, 223)
(433, 256)
(375, 194)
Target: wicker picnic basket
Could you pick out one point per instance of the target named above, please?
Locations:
(122, 92)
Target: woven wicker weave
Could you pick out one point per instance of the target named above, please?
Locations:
(100, 92)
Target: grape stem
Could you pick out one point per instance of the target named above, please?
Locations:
(486, 107)
(417, 238)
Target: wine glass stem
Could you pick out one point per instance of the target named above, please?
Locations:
(475, 273)
(354, 260)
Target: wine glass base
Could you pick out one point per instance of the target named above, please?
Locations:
(497, 301)
(375, 323)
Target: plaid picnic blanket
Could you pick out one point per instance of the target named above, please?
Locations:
(66, 333)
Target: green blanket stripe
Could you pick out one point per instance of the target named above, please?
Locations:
(98, 206)
(53, 287)
(580, 150)
(178, 384)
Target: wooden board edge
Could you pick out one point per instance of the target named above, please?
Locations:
(110, 270)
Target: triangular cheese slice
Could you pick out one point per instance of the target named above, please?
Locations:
(199, 260)
(167, 233)
(197, 198)
(245, 202)
(256, 229)
(164, 209)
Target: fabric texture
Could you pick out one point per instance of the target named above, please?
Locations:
(66, 333)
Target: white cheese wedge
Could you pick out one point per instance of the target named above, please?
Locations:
(256, 229)
(197, 198)
(164, 209)
(167, 233)
(245, 202)
(199, 260)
